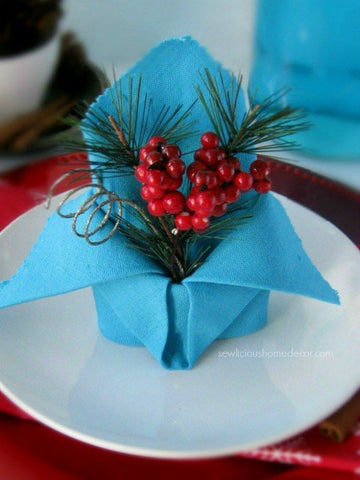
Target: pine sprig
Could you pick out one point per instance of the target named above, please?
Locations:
(117, 137)
(133, 115)
(264, 128)
(175, 254)
(150, 236)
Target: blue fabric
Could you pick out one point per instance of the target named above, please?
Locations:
(137, 303)
(187, 317)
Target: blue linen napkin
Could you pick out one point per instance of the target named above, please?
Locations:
(137, 303)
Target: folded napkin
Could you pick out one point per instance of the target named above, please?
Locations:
(137, 303)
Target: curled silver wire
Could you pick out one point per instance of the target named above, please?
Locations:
(111, 207)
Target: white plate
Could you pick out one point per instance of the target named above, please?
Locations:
(244, 392)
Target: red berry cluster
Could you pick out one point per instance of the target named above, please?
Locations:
(161, 172)
(217, 180)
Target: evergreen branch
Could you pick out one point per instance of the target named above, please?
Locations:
(144, 118)
(114, 145)
(174, 251)
(222, 226)
(190, 263)
(216, 95)
(116, 138)
(120, 135)
(137, 106)
(173, 124)
(258, 128)
(157, 242)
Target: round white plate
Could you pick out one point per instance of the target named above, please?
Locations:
(243, 393)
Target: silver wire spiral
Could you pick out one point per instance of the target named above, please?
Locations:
(92, 204)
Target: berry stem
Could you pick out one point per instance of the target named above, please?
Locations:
(175, 259)
(176, 274)
(176, 254)
(172, 237)
(166, 228)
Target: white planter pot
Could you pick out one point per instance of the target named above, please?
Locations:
(24, 78)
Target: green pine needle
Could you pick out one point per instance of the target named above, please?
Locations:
(116, 141)
(263, 124)
(173, 250)
(132, 109)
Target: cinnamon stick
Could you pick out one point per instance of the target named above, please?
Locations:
(341, 423)
(24, 140)
(13, 128)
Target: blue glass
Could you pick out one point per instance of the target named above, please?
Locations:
(312, 47)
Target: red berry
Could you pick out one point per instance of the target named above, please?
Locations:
(156, 141)
(193, 168)
(155, 192)
(220, 210)
(201, 178)
(183, 221)
(144, 152)
(155, 178)
(195, 190)
(156, 208)
(205, 201)
(149, 193)
(174, 202)
(209, 140)
(199, 223)
(244, 181)
(211, 157)
(172, 183)
(171, 151)
(145, 193)
(234, 162)
(175, 167)
(259, 170)
(220, 196)
(213, 180)
(221, 154)
(191, 202)
(140, 172)
(199, 155)
(262, 186)
(153, 158)
(232, 193)
(225, 172)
